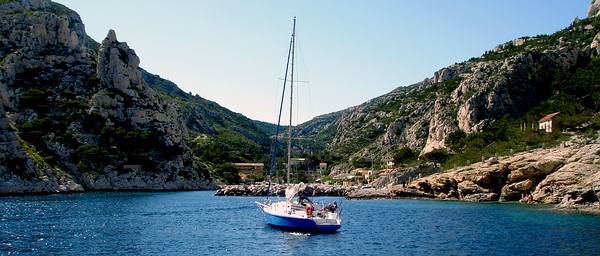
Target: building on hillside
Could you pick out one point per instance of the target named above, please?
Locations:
(362, 175)
(372, 175)
(245, 170)
(323, 166)
(353, 180)
(349, 179)
(390, 164)
(549, 122)
(322, 170)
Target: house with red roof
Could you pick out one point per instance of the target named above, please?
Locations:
(548, 122)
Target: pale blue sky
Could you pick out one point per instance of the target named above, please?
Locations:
(233, 51)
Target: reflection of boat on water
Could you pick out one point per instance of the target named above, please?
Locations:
(296, 212)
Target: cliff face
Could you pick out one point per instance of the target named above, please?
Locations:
(469, 96)
(30, 28)
(124, 100)
(77, 115)
(594, 8)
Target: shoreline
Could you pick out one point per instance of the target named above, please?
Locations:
(393, 193)
(592, 210)
(27, 194)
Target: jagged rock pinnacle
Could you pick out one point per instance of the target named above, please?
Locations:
(594, 8)
(110, 37)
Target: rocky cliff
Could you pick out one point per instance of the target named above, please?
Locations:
(78, 115)
(505, 82)
(594, 8)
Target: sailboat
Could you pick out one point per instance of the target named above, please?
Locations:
(296, 212)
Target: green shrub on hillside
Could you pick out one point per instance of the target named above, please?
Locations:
(360, 162)
(404, 155)
(227, 173)
(456, 141)
(34, 98)
(7, 1)
(439, 156)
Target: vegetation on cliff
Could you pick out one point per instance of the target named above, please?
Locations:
(484, 107)
(72, 105)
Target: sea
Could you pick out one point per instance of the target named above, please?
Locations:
(198, 223)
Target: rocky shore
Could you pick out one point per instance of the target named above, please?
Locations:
(279, 190)
(567, 176)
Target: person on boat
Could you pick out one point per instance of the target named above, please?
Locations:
(309, 209)
(304, 200)
(331, 207)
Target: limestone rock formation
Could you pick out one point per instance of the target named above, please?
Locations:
(403, 175)
(118, 71)
(470, 96)
(78, 115)
(23, 171)
(594, 8)
(369, 194)
(30, 28)
(124, 98)
(567, 175)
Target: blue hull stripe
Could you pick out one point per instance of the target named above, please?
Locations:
(300, 224)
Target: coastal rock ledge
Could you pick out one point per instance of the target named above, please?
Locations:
(567, 176)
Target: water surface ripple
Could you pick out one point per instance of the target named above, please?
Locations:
(197, 223)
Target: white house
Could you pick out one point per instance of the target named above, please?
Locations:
(548, 122)
(390, 164)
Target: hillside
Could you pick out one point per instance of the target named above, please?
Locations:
(477, 108)
(79, 115)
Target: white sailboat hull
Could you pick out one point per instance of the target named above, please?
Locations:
(290, 216)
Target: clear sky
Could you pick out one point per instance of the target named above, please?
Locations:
(233, 51)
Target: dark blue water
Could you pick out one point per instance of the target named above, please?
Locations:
(196, 223)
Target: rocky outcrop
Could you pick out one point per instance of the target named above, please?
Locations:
(595, 45)
(404, 175)
(470, 96)
(567, 175)
(396, 191)
(494, 89)
(575, 182)
(594, 9)
(482, 181)
(279, 190)
(369, 194)
(33, 36)
(23, 171)
(78, 115)
(440, 126)
(124, 98)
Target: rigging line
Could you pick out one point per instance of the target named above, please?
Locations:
(310, 111)
(279, 117)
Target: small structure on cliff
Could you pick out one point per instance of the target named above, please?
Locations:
(548, 122)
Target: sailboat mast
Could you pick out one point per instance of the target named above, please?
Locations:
(275, 142)
(289, 160)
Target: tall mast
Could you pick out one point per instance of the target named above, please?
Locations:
(289, 160)
(275, 142)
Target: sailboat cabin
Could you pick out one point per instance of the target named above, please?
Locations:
(548, 122)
